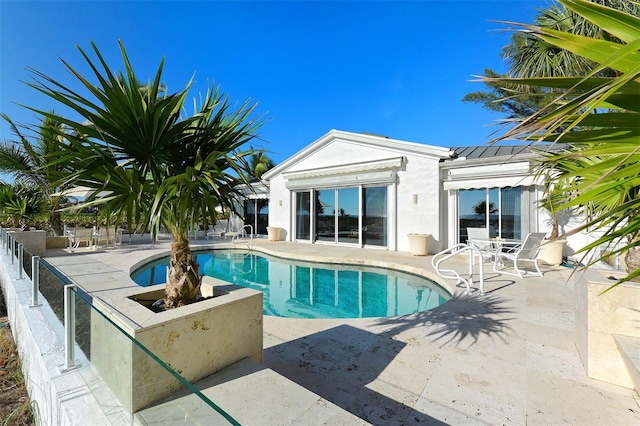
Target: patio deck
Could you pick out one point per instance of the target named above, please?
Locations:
(507, 357)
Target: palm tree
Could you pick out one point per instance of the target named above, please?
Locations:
(25, 160)
(598, 117)
(161, 169)
(260, 162)
(21, 203)
(529, 56)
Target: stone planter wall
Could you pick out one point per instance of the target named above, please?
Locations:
(35, 242)
(599, 318)
(195, 340)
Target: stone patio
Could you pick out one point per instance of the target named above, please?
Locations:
(507, 357)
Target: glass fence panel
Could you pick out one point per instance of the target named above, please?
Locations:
(131, 384)
(128, 378)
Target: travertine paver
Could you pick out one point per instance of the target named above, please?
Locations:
(504, 358)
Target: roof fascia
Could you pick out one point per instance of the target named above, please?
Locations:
(381, 141)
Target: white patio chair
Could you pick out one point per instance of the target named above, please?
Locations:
(73, 242)
(526, 252)
(479, 238)
(218, 230)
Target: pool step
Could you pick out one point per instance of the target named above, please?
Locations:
(629, 348)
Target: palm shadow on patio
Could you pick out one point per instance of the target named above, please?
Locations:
(343, 365)
(463, 319)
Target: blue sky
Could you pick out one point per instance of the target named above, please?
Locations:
(393, 68)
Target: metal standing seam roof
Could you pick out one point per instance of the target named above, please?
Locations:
(490, 151)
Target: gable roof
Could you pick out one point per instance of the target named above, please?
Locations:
(360, 138)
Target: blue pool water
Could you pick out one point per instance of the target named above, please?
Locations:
(295, 289)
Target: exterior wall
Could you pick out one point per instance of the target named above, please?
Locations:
(281, 207)
(422, 179)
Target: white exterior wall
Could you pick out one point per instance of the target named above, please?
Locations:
(421, 178)
(281, 215)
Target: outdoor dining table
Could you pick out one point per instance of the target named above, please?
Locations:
(493, 245)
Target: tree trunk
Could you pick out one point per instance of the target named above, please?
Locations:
(632, 259)
(55, 219)
(183, 281)
(555, 227)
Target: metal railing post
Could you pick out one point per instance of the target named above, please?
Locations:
(20, 259)
(35, 281)
(13, 250)
(6, 246)
(69, 326)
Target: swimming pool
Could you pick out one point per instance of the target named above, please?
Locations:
(296, 289)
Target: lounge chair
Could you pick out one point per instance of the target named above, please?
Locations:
(217, 231)
(526, 252)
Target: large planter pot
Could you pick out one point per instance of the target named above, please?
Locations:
(196, 340)
(551, 252)
(419, 244)
(274, 233)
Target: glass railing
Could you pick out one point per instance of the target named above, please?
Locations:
(124, 376)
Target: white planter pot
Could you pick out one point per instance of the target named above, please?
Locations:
(419, 244)
(551, 252)
(274, 233)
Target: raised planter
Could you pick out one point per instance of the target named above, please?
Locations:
(419, 244)
(552, 251)
(35, 242)
(195, 340)
(600, 318)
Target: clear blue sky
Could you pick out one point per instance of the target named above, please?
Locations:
(393, 68)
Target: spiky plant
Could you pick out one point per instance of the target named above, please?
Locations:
(598, 117)
(159, 168)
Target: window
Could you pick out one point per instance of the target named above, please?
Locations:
(498, 209)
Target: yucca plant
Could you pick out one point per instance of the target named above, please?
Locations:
(159, 168)
(598, 118)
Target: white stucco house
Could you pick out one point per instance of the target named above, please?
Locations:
(372, 191)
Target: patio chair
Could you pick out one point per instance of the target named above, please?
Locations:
(218, 230)
(526, 252)
(479, 238)
(73, 241)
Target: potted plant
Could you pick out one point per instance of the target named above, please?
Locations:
(552, 251)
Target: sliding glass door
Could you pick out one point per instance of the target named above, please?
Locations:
(498, 209)
(374, 216)
(348, 215)
(325, 217)
(353, 215)
(303, 215)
